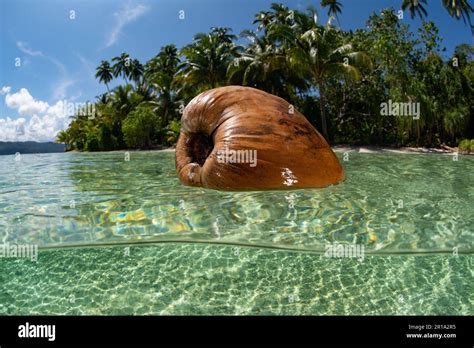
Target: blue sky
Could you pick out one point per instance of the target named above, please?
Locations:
(58, 54)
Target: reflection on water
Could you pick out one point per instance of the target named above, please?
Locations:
(389, 203)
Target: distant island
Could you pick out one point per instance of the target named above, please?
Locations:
(10, 148)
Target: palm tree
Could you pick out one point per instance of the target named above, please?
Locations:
(263, 65)
(136, 71)
(456, 8)
(63, 138)
(76, 134)
(102, 98)
(207, 58)
(165, 62)
(122, 66)
(279, 14)
(104, 73)
(318, 56)
(334, 7)
(415, 7)
(123, 100)
(160, 73)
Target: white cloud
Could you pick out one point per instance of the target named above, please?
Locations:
(5, 90)
(37, 128)
(61, 88)
(44, 123)
(24, 103)
(75, 97)
(58, 110)
(126, 15)
(87, 65)
(23, 46)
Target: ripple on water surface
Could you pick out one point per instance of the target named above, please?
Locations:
(389, 203)
(212, 279)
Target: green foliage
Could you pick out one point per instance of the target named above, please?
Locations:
(104, 73)
(466, 145)
(140, 127)
(107, 141)
(92, 142)
(207, 58)
(160, 73)
(172, 132)
(415, 7)
(456, 8)
(338, 79)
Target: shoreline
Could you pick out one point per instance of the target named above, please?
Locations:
(400, 150)
(375, 149)
(341, 149)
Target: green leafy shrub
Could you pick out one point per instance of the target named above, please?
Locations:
(108, 141)
(172, 132)
(141, 127)
(466, 145)
(92, 142)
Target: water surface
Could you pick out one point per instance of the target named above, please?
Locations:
(101, 222)
(389, 203)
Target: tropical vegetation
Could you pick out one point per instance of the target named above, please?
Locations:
(338, 79)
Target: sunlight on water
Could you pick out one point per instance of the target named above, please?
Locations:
(393, 205)
(210, 279)
(389, 203)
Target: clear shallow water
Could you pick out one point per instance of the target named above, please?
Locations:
(397, 206)
(389, 203)
(212, 279)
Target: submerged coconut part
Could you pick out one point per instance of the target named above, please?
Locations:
(242, 138)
